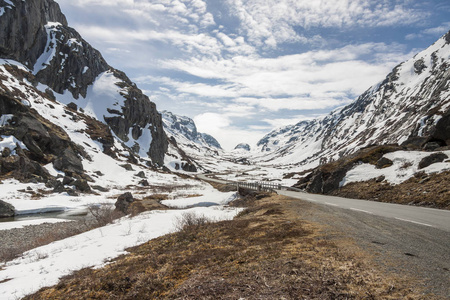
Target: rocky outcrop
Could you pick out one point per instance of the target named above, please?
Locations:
(123, 202)
(23, 38)
(432, 159)
(44, 141)
(6, 210)
(138, 114)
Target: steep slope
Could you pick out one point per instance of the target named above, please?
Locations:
(35, 36)
(410, 107)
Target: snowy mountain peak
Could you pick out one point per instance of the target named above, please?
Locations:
(411, 107)
(183, 129)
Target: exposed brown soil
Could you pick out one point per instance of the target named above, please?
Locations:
(425, 190)
(267, 252)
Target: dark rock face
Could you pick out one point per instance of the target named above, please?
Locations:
(138, 113)
(432, 159)
(6, 210)
(45, 142)
(123, 202)
(23, 38)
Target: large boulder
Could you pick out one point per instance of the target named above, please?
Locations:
(432, 159)
(69, 161)
(123, 202)
(6, 210)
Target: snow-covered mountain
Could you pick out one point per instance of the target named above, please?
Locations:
(185, 132)
(410, 107)
(57, 90)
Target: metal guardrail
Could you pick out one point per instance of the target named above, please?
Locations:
(257, 185)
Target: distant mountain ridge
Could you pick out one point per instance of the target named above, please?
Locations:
(410, 107)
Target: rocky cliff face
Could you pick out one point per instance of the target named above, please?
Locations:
(58, 60)
(410, 107)
(184, 130)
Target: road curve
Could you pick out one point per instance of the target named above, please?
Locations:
(430, 217)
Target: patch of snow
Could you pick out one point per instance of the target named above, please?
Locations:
(405, 165)
(4, 119)
(50, 48)
(9, 141)
(44, 266)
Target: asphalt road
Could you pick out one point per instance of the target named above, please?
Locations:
(436, 218)
(429, 217)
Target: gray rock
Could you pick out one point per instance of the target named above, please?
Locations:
(72, 106)
(99, 188)
(68, 161)
(141, 174)
(6, 152)
(384, 163)
(6, 210)
(432, 159)
(124, 201)
(144, 182)
(82, 186)
(127, 167)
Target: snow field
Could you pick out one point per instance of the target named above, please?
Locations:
(44, 265)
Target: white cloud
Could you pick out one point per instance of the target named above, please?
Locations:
(434, 31)
(221, 127)
(272, 22)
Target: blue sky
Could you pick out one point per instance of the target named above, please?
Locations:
(240, 68)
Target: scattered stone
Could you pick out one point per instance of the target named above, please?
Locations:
(141, 174)
(82, 185)
(59, 187)
(432, 159)
(380, 178)
(67, 180)
(52, 183)
(6, 152)
(99, 188)
(124, 201)
(71, 192)
(144, 182)
(72, 106)
(29, 188)
(127, 167)
(6, 210)
(384, 163)
(99, 173)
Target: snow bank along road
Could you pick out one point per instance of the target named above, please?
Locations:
(429, 217)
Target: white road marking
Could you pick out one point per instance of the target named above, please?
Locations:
(361, 210)
(332, 204)
(415, 222)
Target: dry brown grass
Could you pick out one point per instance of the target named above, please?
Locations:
(266, 253)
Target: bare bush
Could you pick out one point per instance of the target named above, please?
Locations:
(104, 214)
